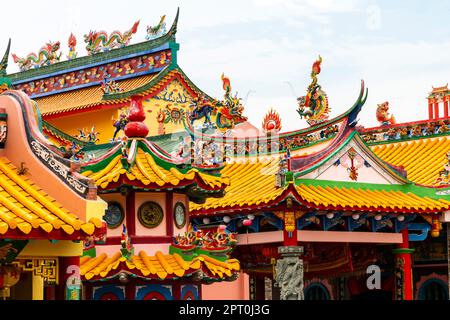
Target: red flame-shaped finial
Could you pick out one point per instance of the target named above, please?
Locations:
(72, 41)
(136, 128)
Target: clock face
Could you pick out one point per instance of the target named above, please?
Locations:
(180, 215)
(114, 215)
(150, 215)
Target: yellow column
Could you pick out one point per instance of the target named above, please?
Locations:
(38, 287)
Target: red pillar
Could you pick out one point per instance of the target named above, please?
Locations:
(176, 289)
(446, 107)
(403, 270)
(169, 214)
(430, 109)
(88, 291)
(130, 292)
(131, 213)
(68, 269)
(436, 109)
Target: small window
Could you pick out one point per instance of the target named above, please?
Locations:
(114, 215)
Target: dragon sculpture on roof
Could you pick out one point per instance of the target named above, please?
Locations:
(100, 41)
(314, 106)
(47, 55)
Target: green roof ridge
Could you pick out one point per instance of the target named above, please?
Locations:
(97, 58)
(406, 188)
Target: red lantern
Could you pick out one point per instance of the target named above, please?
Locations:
(222, 227)
(247, 222)
(9, 276)
(435, 228)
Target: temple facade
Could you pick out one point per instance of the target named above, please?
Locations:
(173, 194)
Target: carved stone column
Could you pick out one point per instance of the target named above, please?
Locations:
(289, 273)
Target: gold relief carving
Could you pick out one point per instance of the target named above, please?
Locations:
(289, 221)
(289, 218)
(46, 268)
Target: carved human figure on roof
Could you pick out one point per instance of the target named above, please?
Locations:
(72, 47)
(383, 116)
(120, 123)
(314, 106)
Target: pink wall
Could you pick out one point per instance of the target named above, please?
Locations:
(18, 150)
(236, 290)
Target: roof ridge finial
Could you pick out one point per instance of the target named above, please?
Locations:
(4, 62)
(136, 128)
(174, 28)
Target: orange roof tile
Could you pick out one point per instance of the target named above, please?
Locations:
(26, 207)
(158, 266)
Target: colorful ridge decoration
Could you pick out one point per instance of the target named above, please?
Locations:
(160, 266)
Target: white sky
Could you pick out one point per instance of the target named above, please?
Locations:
(400, 49)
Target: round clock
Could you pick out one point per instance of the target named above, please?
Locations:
(180, 215)
(150, 215)
(114, 215)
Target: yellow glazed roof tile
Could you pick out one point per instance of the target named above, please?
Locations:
(251, 183)
(84, 98)
(147, 171)
(422, 159)
(158, 266)
(343, 197)
(25, 207)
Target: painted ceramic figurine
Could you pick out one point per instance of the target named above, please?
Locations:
(156, 31)
(383, 115)
(314, 106)
(100, 41)
(47, 55)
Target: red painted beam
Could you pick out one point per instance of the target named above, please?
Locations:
(131, 212)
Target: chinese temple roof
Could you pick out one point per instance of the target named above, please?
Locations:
(97, 59)
(371, 197)
(423, 169)
(150, 171)
(419, 147)
(159, 266)
(254, 187)
(86, 98)
(27, 212)
(252, 184)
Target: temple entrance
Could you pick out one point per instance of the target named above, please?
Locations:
(433, 290)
